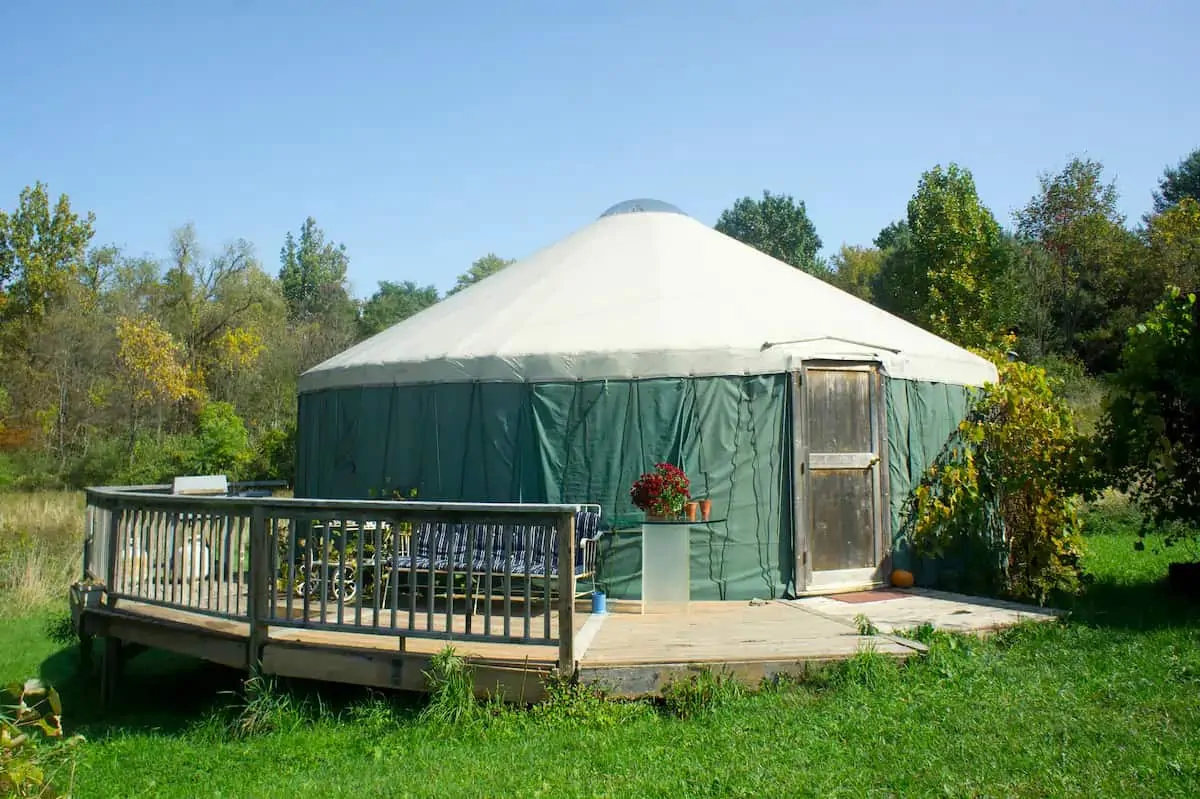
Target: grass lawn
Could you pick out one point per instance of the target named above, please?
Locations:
(1105, 704)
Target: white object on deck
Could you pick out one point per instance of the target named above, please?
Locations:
(201, 484)
(192, 559)
(666, 576)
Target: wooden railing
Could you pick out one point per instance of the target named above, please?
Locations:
(500, 573)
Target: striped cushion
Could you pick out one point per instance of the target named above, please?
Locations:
(527, 547)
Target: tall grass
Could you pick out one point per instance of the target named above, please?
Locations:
(41, 537)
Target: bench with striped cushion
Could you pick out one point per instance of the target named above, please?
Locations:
(527, 547)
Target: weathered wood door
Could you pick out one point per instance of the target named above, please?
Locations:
(838, 476)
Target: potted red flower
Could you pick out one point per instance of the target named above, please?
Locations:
(662, 493)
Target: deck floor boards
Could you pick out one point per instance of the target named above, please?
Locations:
(637, 653)
(715, 632)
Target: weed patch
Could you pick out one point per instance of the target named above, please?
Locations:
(700, 692)
(451, 690)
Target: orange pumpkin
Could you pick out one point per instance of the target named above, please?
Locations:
(902, 578)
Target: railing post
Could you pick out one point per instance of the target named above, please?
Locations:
(114, 551)
(257, 599)
(566, 594)
(89, 541)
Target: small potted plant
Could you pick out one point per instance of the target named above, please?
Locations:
(662, 493)
(87, 593)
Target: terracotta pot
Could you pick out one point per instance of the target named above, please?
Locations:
(690, 509)
(705, 508)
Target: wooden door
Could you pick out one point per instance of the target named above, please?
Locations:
(839, 476)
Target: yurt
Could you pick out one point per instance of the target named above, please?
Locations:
(805, 414)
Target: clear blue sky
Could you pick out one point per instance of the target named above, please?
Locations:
(424, 139)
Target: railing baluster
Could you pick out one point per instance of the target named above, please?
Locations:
(489, 549)
(469, 577)
(144, 560)
(360, 579)
(215, 526)
(289, 584)
(128, 550)
(394, 583)
(549, 545)
(528, 580)
(308, 568)
(326, 537)
(238, 579)
(451, 547)
(434, 538)
(509, 532)
(273, 570)
(226, 578)
(377, 556)
(413, 534)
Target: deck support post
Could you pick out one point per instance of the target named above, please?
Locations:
(110, 671)
(86, 659)
(259, 577)
(566, 594)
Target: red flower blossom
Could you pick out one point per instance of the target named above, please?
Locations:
(661, 492)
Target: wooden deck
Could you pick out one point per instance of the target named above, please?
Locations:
(627, 654)
(217, 578)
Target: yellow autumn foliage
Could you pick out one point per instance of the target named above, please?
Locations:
(1010, 474)
(153, 362)
(239, 348)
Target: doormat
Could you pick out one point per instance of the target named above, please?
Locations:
(858, 597)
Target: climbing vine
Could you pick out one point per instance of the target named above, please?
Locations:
(1008, 479)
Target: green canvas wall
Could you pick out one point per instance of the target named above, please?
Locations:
(921, 418)
(576, 442)
(588, 442)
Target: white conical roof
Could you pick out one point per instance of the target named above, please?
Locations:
(643, 292)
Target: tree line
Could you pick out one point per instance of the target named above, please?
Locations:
(123, 368)
(1068, 276)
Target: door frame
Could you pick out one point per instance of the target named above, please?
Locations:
(801, 479)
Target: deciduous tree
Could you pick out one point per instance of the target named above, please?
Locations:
(312, 273)
(1178, 182)
(394, 302)
(42, 251)
(1096, 285)
(855, 269)
(956, 242)
(779, 226)
(484, 267)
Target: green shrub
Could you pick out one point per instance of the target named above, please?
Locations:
(221, 444)
(1151, 426)
(274, 456)
(1006, 485)
(36, 758)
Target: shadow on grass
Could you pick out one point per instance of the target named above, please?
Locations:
(159, 691)
(170, 694)
(1133, 605)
